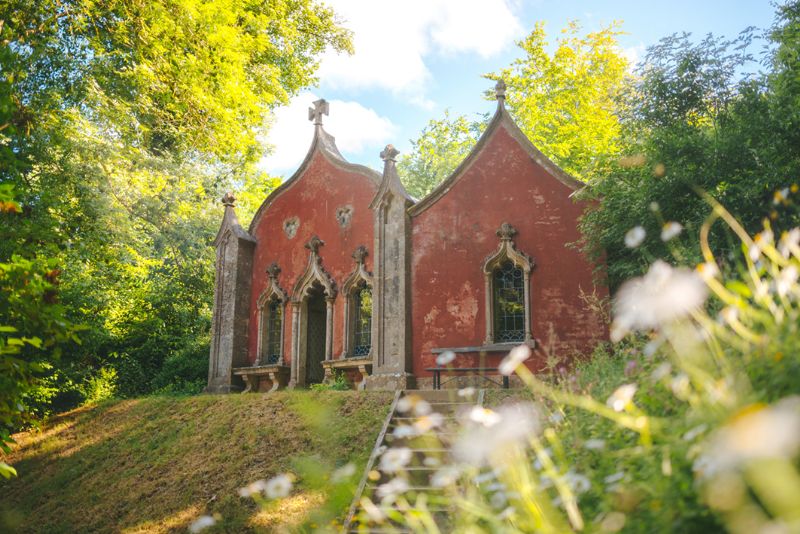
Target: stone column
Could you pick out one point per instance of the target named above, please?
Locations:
(295, 360)
(229, 327)
(391, 282)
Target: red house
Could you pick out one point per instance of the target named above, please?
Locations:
(341, 269)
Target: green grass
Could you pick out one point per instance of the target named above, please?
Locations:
(155, 464)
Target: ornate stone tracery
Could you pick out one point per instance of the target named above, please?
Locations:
(273, 292)
(506, 252)
(314, 276)
(351, 285)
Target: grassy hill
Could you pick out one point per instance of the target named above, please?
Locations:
(155, 464)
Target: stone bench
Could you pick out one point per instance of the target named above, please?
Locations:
(363, 364)
(276, 373)
(476, 371)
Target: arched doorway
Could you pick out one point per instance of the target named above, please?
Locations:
(316, 330)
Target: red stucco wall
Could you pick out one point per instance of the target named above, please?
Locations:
(313, 198)
(452, 238)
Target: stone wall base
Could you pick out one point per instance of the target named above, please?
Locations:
(390, 381)
(224, 385)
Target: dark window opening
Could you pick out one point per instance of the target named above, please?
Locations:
(509, 304)
(362, 329)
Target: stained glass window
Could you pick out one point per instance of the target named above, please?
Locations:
(509, 304)
(362, 329)
(272, 340)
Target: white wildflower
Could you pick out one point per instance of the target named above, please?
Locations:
(445, 476)
(729, 314)
(202, 523)
(445, 358)
(789, 240)
(374, 513)
(757, 432)
(662, 371)
(694, 432)
(428, 422)
(484, 416)
(391, 489)
(404, 431)
(485, 477)
(786, 279)
(422, 407)
(518, 354)
(513, 426)
(708, 270)
(634, 237)
(621, 397)
(616, 477)
(431, 461)
(259, 486)
(556, 417)
(654, 206)
(613, 522)
(466, 392)
(498, 500)
(661, 296)
(681, 386)
(670, 230)
(278, 487)
(508, 513)
(595, 444)
(406, 403)
(395, 459)
(577, 482)
(652, 346)
(344, 473)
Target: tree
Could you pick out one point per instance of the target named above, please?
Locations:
(121, 124)
(566, 102)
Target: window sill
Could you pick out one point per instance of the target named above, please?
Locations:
(494, 347)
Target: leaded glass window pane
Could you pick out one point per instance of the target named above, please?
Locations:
(509, 304)
(273, 338)
(362, 331)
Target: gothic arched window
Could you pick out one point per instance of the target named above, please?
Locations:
(509, 303)
(507, 273)
(362, 317)
(270, 320)
(273, 350)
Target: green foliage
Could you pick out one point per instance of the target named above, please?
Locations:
(440, 147)
(339, 383)
(121, 125)
(565, 100)
(693, 122)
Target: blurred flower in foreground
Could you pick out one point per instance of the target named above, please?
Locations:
(518, 354)
(391, 489)
(670, 230)
(445, 358)
(662, 295)
(480, 443)
(756, 432)
(278, 487)
(635, 236)
(202, 523)
(621, 397)
(395, 460)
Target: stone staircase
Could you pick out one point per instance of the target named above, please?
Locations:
(430, 451)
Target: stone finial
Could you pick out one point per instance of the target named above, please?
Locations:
(320, 108)
(506, 232)
(273, 270)
(500, 91)
(389, 153)
(314, 243)
(359, 254)
(228, 199)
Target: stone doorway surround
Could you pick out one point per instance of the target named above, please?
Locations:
(314, 280)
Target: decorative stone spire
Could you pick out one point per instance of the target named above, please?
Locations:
(314, 243)
(500, 92)
(228, 199)
(506, 232)
(273, 270)
(320, 108)
(359, 254)
(389, 153)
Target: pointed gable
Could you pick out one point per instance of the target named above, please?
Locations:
(501, 120)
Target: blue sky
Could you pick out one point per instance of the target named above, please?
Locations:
(416, 58)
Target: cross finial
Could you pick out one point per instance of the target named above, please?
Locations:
(506, 232)
(500, 91)
(273, 270)
(228, 199)
(320, 108)
(359, 254)
(389, 153)
(314, 243)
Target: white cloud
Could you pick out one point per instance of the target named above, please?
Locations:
(392, 40)
(634, 54)
(355, 127)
